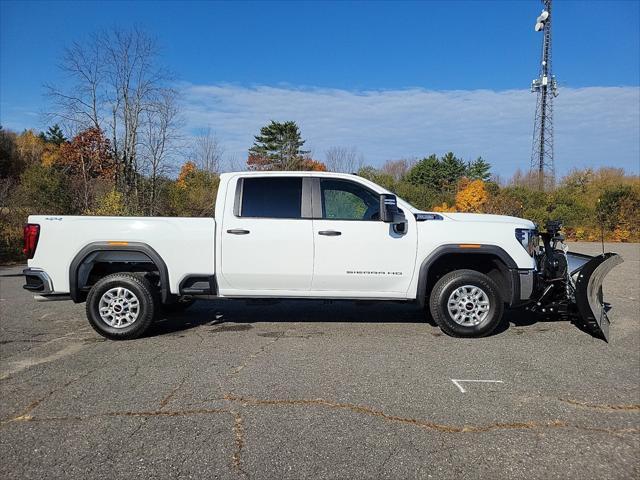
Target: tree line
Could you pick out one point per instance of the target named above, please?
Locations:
(117, 147)
(46, 173)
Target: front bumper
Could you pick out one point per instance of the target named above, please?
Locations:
(526, 280)
(37, 281)
(522, 286)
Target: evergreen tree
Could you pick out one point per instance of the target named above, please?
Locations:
(479, 169)
(54, 135)
(427, 172)
(278, 147)
(453, 169)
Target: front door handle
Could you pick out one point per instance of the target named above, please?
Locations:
(329, 233)
(238, 231)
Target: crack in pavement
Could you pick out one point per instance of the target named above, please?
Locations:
(634, 407)
(25, 415)
(238, 427)
(392, 453)
(423, 424)
(170, 395)
(161, 413)
(238, 430)
(359, 409)
(175, 390)
(255, 354)
(141, 414)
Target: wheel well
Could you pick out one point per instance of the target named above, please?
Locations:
(489, 264)
(97, 261)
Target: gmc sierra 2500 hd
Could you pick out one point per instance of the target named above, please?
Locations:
(312, 235)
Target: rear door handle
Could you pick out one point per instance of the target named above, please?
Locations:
(329, 233)
(238, 231)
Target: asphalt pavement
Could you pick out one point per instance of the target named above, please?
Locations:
(322, 390)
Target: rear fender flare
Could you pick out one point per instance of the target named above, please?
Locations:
(143, 248)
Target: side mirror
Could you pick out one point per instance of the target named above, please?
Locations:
(389, 212)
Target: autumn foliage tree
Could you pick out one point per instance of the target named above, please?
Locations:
(186, 172)
(29, 147)
(472, 196)
(312, 165)
(87, 159)
(194, 192)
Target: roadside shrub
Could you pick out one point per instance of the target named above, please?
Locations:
(194, 193)
(111, 204)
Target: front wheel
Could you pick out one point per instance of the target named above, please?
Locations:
(121, 306)
(466, 303)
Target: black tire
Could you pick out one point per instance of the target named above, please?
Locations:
(180, 305)
(455, 282)
(147, 305)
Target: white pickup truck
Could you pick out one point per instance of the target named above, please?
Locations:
(311, 235)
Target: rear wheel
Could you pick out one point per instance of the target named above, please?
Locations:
(466, 303)
(121, 306)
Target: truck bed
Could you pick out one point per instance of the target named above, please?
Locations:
(185, 244)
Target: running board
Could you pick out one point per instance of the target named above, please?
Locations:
(198, 285)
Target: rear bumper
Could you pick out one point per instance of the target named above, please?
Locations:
(37, 281)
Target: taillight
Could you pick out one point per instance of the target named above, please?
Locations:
(31, 234)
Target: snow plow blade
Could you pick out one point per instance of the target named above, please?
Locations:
(588, 280)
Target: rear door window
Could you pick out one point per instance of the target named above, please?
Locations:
(272, 197)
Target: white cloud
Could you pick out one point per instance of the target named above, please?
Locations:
(595, 126)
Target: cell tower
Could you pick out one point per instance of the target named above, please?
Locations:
(545, 86)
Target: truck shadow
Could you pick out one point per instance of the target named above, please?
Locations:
(240, 315)
(248, 312)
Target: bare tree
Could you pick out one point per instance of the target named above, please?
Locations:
(234, 163)
(135, 81)
(161, 141)
(7, 186)
(80, 105)
(398, 168)
(343, 159)
(528, 179)
(116, 83)
(207, 151)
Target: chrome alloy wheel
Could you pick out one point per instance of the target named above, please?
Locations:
(468, 305)
(119, 307)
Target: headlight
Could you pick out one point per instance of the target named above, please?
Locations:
(529, 239)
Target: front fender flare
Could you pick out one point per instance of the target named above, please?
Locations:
(463, 249)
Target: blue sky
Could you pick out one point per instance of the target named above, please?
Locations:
(393, 79)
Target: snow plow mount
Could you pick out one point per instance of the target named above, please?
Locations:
(570, 284)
